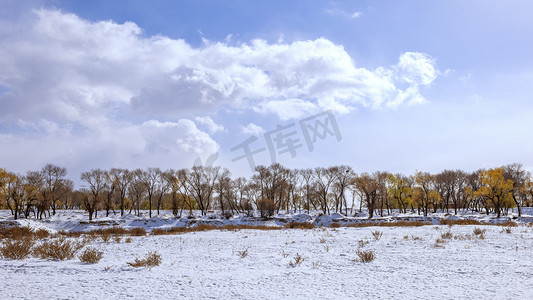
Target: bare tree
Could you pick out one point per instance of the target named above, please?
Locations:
(201, 185)
(368, 187)
(137, 191)
(324, 179)
(151, 179)
(518, 176)
(95, 180)
(53, 176)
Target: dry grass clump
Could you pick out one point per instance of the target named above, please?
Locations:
(16, 233)
(450, 222)
(106, 237)
(377, 235)
(507, 230)
(254, 227)
(300, 225)
(151, 260)
(334, 225)
(17, 248)
(243, 253)
(297, 260)
(507, 224)
(127, 240)
(480, 233)
(362, 243)
(390, 224)
(90, 256)
(365, 256)
(137, 231)
(58, 249)
(71, 234)
(447, 235)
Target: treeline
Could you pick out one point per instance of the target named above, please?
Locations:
(271, 189)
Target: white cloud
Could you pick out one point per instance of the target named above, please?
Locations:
(208, 123)
(288, 109)
(103, 92)
(356, 14)
(252, 129)
(73, 70)
(172, 137)
(416, 68)
(343, 13)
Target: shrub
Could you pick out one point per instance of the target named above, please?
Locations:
(17, 249)
(460, 222)
(59, 249)
(508, 224)
(243, 253)
(16, 233)
(42, 233)
(506, 229)
(297, 260)
(447, 235)
(137, 231)
(90, 256)
(106, 236)
(153, 259)
(377, 235)
(479, 231)
(266, 207)
(389, 224)
(366, 255)
(127, 240)
(362, 243)
(303, 225)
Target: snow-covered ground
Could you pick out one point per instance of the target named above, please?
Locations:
(208, 265)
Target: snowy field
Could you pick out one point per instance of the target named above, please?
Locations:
(427, 262)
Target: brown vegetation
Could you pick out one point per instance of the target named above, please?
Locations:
(57, 249)
(90, 256)
(152, 259)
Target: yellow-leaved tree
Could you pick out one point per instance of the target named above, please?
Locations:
(496, 189)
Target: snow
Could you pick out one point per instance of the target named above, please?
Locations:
(207, 265)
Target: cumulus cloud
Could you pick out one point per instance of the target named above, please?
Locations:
(71, 69)
(106, 85)
(209, 124)
(167, 137)
(288, 109)
(252, 129)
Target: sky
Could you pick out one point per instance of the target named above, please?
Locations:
(378, 85)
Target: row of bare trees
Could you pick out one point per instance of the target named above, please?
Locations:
(335, 189)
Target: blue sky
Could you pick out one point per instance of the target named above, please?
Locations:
(413, 85)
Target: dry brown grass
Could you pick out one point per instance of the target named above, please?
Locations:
(507, 230)
(334, 225)
(58, 249)
(450, 222)
(507, 224)
(390, 224)
(479, 231)
(243, 253)
(151, 260)
(16, 233)
(17, 248)
(377, 235)
(447, 235)
(365, 256)
(90, 256)
(300, 225)
(297, 260)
